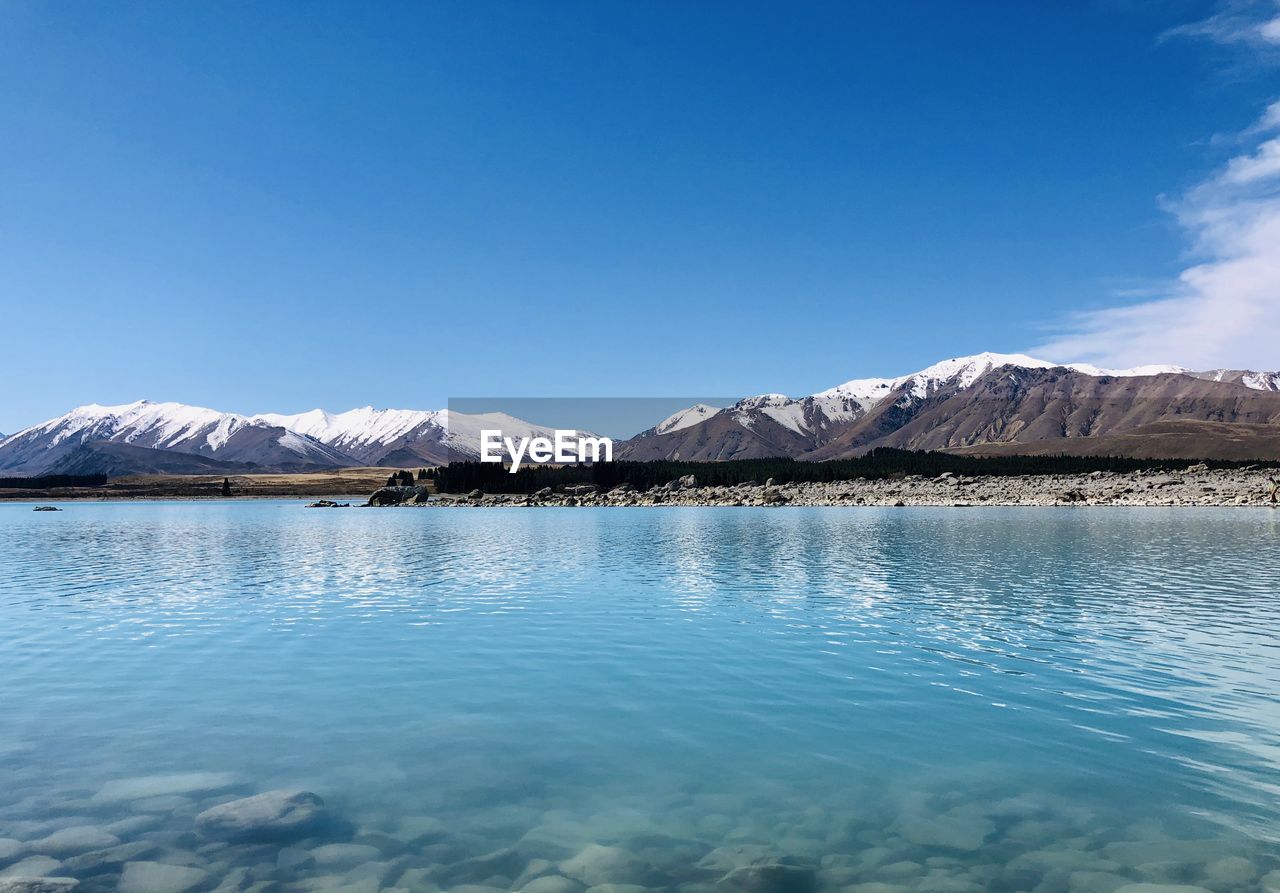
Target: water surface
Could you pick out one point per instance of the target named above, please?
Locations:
(928, 699)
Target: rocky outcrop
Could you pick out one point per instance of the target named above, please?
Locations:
(395, 495)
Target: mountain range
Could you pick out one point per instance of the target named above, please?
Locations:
(988, 403)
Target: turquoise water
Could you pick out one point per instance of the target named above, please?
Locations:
(948, 700)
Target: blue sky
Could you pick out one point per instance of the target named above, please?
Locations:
(271, 207)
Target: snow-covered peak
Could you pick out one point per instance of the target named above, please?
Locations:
(1261, 381)
(962, 372)
(360, 426)
(1136, 371)
(685, 418)
(161, 425)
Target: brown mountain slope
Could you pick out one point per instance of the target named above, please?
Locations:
(1049, 409)
(718, 438)
(1176, 439)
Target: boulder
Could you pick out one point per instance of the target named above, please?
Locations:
(393, 495)
(46, 508)
(581, 489)
(274, 814)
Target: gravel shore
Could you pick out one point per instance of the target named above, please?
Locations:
(1196, 486)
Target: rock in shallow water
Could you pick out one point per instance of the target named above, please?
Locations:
(596, 864)
(1160, 888)
(148, 786)
(157, 877)
(552, 883)
(273, 814)
(338, 855)
(772, 878)
(947, 832)
(96, 860)
(77, 839)
(37, 884)
(11, 849)
(33, 866)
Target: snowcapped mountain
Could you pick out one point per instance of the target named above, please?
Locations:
(404, 437)
(368, 436)
(699, 412)
(1002, 402)
(919, 411)
(145, 437)
(172, 427)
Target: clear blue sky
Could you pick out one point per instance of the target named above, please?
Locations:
(276, 206)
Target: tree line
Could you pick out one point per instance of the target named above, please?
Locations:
(49, 481)
(884, 462)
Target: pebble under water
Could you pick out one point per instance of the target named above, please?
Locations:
(708, 700)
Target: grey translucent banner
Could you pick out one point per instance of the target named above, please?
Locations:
(560, 430)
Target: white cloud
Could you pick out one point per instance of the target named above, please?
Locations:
(1225, 310)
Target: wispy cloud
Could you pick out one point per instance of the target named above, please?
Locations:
(1225, 310)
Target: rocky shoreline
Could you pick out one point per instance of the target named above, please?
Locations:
(1195, 485)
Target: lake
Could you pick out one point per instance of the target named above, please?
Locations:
(744, 700)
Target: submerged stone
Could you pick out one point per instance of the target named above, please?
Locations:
(148, 786)
(291, 859)
(77, 839)
(272, 814)
(552, 883)
(595, 865)
(344, 854)
(947, 832)
(86, 863)
(1179, 852)
(773, 878)
(37, 884)
(11, 849)
(1095, 882)
(1230, 871)
(1160, 888)
(420, 828)
(159, 877)
(33, 866)
(727, 858)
